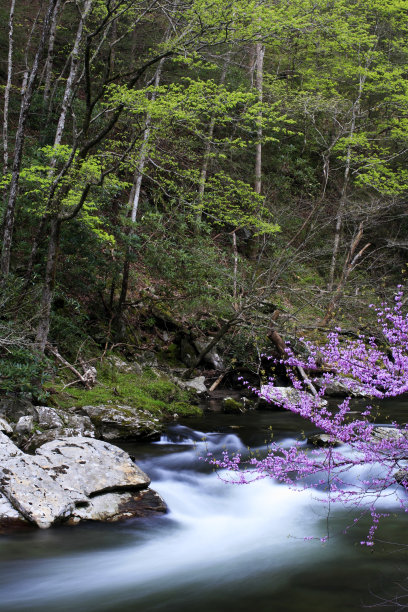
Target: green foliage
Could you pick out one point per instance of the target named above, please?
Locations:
(23, 371)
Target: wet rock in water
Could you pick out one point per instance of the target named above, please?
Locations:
(392, 434)
(113, 507)
(324, 440)
(278, 395)
(72, 478)
(121, 422)
(401, 477)
(31, 491)
(90, 466)
(232, 406)
(336, 388)
(10, 518)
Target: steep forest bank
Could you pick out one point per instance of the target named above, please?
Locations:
(185, 186)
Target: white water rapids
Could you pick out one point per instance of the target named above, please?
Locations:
(220, 546)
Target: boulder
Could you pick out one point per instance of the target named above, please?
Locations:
(10, 518)
(123, 366)
(113, 507)
(90, 466)
(276, 395)
(195, 383)
(15, 407)
(55, 423)
(71, 478)
(401, 476)
(232, 406)
(25, 425)
(48, 418)
(116, 422)
(343, 388)
(31, 490)
(39, 438)
(188, 353)
(323, 440)
(381, 432)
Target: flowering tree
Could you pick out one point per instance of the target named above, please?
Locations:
(359, 463)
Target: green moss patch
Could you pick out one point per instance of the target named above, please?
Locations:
(146, 391)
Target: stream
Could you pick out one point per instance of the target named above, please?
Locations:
(222, 547)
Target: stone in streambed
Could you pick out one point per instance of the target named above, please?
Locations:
(324, 440)
(121, 422)
(232, 406)
(10, 518)
(113, 507)
(31, 490)
(90, 466)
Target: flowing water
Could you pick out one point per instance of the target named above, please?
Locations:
(222, 547)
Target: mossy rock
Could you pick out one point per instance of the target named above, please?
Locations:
(232, 406)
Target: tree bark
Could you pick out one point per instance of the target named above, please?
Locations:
(8, 87)
(50, 54)
(135, 195)
(253, 242)
(70, 84)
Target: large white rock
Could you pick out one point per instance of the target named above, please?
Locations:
(66, 475)
(31, 490)
(90, 466)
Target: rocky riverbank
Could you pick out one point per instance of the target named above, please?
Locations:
(71, 479)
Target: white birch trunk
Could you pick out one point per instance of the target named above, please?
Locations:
(50, 54)
(8, 87)
(260, 53)
(71, 80)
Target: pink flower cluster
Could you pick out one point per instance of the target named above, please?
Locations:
(358, 462)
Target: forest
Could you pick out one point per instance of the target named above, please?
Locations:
(217, 170)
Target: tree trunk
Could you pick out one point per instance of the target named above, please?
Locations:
(8, 87)
(70, 84)
(207, 148)
(50, 54)
(134, 197)
(253, 242)
(260, 53)
(19, 144)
